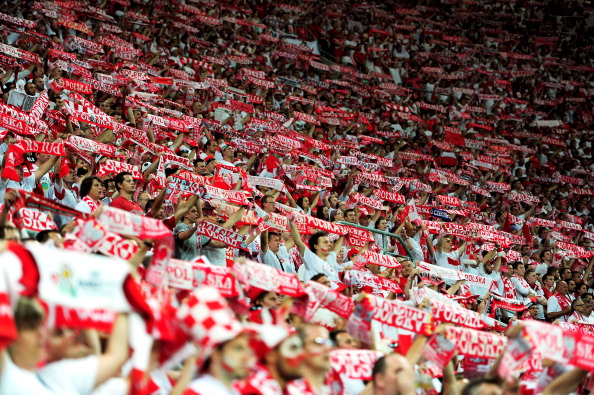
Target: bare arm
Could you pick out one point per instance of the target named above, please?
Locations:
(297, 238)
(116, 354)
(44, 168)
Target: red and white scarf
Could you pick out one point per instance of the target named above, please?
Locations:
(92, 204)
(509, 290)
(564, 300)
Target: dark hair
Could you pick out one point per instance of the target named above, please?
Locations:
(44, 235)
(28, 314)
(149, 205)
(86, 185)
(119, 179)
(528, 272)
(542, 253)
(334, 334)
(300, 201)
(320, 213)
(313, 240)
(474, 385)
(348, 211)
(379, 367)
(517, 264)
(318, 276)
(171, 170)
(107, 181)
(271, 234)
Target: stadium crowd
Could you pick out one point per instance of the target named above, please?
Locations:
(303, 197)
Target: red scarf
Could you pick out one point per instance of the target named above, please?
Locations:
(509, 290)
(522, 281)
(92, 205)
(564, 300)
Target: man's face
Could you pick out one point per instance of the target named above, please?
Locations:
(39, 85)
(274, 243)
(351, 217)
(364, 221)
(200, 168)
(212, 147)
(525, 250)
(317, 348)
(192, 215)
(549, 281)
(30, 89)
(129, 185)
(406, 268)
(345, 341)
(394, 379)
(324, 246)
(268, 205)
(547, 257)
(566, 274)
(520, 270)
(238, 357)
(562, 287)
(210, 168)
(289, 358)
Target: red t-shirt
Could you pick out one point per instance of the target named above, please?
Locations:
(124, 204)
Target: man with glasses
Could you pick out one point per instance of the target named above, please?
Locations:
(579, 312)
(316, 364)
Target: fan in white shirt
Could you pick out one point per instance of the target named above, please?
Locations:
(319, 257)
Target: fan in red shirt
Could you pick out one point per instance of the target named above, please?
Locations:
(126, 186)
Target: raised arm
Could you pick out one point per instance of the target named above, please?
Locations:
(115, 356)
(297, 237)
(44, 168)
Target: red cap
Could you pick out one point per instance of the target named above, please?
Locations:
(352, 252)
(254, 293)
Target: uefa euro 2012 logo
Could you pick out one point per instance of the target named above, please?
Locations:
(65, 280)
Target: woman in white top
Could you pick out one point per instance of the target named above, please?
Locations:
(91, 192)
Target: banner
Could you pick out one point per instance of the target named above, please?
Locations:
(218, 233)
(380, 259)
(79, 280)
(268, 278)
(473, 343)
(354, 364)
(394, 313)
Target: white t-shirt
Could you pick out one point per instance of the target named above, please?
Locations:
(280, 260)
(442, 260)
(26, 184)
(553, 306)
(208, 385)
(69, 376)
(313, 264)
